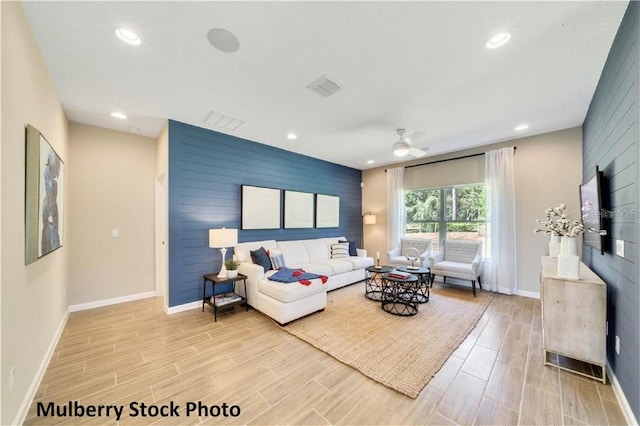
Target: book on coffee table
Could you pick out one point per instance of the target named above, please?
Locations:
(398, 274)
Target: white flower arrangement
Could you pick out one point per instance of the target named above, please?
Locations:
(557, 222)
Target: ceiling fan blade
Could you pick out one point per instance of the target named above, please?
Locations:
(417, 138)
(415, 152)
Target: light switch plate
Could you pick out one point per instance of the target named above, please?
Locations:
(620, 248)
(115, 233)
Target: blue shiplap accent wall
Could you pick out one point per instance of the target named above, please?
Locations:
(206, 170)
(611, 141)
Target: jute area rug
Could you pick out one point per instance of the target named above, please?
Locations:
(403, 353)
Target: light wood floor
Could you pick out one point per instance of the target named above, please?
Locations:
(134, 352)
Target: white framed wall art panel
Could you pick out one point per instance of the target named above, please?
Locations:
(327, 211)
(298, 209)
(260, 207)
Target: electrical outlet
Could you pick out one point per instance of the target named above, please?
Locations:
(12, 377)
(618, 345)
(620, 248)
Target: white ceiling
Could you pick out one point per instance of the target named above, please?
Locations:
(417, 65)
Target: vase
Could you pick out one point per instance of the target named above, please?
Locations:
(568, 260)
(554, 246)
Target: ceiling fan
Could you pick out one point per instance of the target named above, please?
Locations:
(403, 146)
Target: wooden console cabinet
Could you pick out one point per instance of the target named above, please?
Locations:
(574, 317)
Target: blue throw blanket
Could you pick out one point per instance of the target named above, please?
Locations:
(288, 275)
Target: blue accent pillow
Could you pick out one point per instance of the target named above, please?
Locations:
(260, 257)
(352, 247)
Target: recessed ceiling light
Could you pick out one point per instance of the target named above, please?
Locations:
(522, 127)
(370, 162)
(128, 36)
(118, 115)
(223, 40)
(292, 136)
(498, 40)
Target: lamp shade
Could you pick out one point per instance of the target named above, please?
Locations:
(369, 219)
(223, 237)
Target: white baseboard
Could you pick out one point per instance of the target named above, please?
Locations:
(530, 294)
(35, 383)
(113, 301)
(622, 399)
(183, 307)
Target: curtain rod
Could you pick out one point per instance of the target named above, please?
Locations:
(448, 159)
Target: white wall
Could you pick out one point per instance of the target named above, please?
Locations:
(162, 213)
(33, 296)
(548, 172)
(111, 187)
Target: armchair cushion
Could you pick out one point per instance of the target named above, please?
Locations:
(419, 244)
(459, 259)
(398, 256)
(465, 271)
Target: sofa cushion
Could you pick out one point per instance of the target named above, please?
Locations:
(339, 266)
(359, 262)
(243, 250)
(314, 268)
(317, 250)
(294, 252)
(260, 257)
(339, 250)
(291, 291)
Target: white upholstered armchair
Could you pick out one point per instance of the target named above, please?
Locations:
(400, 255)
(458, 259)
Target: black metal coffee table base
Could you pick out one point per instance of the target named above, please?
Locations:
(421, 294)
(399, 295)
(373, 282)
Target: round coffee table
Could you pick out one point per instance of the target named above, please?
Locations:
(424, 277)
(399, 295)
(373, 281)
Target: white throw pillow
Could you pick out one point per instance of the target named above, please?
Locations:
(339, 250)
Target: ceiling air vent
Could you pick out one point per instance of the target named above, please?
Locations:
(323, 86)
(223, 121)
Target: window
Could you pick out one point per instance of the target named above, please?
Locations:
(454, 212)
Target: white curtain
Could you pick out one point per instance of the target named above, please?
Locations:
(395, 189)
(500, 271)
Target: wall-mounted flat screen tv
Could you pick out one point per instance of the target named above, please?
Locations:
(591, 198)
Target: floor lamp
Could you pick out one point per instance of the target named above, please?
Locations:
(367, 219)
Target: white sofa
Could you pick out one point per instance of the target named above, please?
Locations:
(287, 302)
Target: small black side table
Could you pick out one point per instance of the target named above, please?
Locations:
(215, 280)
(398, 295)
(424, 278)
(373, 281)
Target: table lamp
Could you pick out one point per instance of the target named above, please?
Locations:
(223, 238)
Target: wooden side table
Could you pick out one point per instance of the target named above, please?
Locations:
(215, 280)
